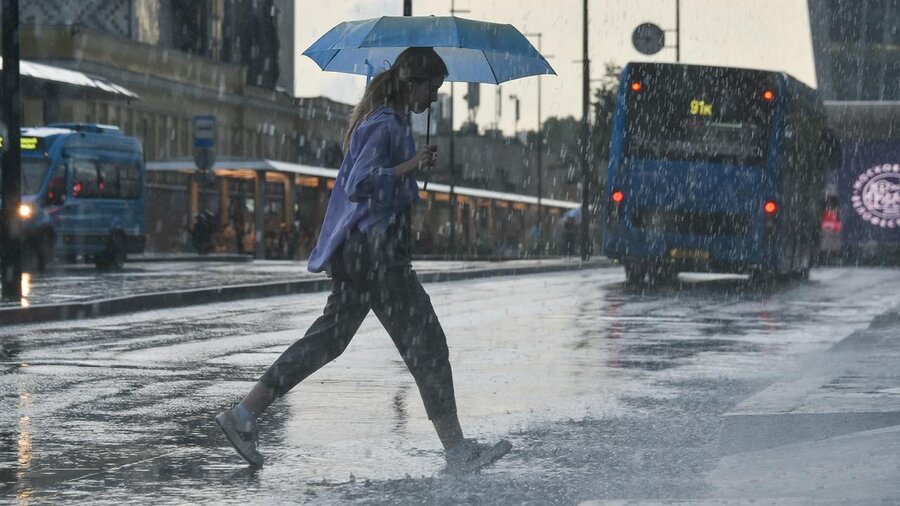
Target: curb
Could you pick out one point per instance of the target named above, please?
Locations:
(189, 257)
(180, 298)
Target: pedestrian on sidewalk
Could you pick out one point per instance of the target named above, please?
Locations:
(364, 246)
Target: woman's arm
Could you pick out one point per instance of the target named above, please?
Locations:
(372, 176)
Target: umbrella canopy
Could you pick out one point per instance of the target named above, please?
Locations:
(474, 51)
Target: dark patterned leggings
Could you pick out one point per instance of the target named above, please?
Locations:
(373, 271)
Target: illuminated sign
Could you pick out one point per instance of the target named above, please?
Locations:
(27, 143)
(876, 195)
(701, 108)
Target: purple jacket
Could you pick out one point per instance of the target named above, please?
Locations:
(367, 194)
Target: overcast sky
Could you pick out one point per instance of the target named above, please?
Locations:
(764, 34)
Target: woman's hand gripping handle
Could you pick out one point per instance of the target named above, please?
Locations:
(426, 158)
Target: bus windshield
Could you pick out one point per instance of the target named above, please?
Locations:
(34, 170)
(700, 114)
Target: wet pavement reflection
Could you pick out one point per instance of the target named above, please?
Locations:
(606, 391)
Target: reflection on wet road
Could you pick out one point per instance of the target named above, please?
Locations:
(605, 390)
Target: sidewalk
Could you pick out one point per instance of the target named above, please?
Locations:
(830, 432)
(80, 291)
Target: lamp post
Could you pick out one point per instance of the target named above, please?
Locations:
(585, 137)
(452, 157)
(11, 179)
(677, 30)
(540, 145)
(515, 99)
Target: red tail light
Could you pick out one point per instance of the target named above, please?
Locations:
(618, 196)
(770, 207)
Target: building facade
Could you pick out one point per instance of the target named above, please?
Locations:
(856, 46)
(857, 49)
(226, 58)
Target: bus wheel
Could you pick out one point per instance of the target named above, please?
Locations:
(662, 273)
(114, 256)
(635, 272)
(762, 276)
(802, 274)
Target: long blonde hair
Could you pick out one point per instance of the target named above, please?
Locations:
(414, 64)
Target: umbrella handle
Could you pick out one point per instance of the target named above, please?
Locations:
(427, 142)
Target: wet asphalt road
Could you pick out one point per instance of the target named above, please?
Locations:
(606, 392)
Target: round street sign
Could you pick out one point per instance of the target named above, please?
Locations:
(204, 158)
(648, 38)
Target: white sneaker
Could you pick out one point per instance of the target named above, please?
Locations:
(470, 455)
(242, 434)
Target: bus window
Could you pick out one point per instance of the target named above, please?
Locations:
(129, 181)
(86, 182)
(108, 184)
(56, 192)
(34, 170)
(685, 114)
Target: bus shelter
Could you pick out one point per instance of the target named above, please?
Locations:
(261, 199)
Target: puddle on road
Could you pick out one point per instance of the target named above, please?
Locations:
(594, 394)
(655, 356)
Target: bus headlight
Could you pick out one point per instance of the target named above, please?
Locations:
(26, 211)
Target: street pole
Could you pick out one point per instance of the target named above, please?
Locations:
(585, 137)
(11, 179)
(452, 175)
(515, 99)
(452, 238)
(407, 7)
(540, 149)
(677, 31)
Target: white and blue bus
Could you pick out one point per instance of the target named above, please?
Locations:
(714, 169)
(82, 194)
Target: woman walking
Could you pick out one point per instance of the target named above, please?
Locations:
(364, 246)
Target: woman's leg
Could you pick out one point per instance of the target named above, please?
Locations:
(325, 340)
(405, 311)
(382, 265)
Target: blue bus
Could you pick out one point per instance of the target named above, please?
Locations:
(714, 169)
(82, 194)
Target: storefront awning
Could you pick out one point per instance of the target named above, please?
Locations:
(44, 72)
(308, 170)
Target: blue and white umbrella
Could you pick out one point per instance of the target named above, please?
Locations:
(474, 51)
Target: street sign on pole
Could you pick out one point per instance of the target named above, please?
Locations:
(204, 142)
(204, 158)
(648, 38)
(204, 131)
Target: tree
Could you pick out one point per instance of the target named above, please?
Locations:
(562, 136)
(604, 113)
(560, 144)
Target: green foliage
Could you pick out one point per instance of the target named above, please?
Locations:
(562, 136)
(604, 111)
